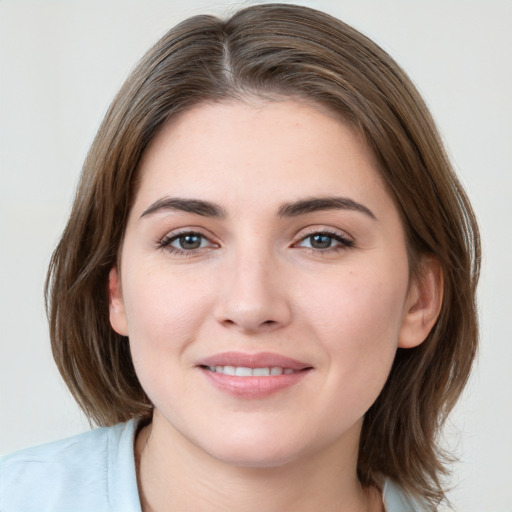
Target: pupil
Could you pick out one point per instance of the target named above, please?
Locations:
(321, 241)
(190, 242)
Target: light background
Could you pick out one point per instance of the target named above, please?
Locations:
(62, 62)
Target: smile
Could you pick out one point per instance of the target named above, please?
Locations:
(243, 371)
(253, 376)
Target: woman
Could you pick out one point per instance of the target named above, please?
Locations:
(266, 288)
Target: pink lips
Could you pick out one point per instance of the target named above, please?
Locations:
(253, 386)
(259, 360)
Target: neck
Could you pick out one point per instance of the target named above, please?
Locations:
(174, 474)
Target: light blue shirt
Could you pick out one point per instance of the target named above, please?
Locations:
(95, 472)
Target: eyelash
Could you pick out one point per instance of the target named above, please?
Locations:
(166, 241)
(343, 242)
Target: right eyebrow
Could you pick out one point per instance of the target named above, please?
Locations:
(197, 206)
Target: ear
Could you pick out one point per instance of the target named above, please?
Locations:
(116, 304)
(423, 304)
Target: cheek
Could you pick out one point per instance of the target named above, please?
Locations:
(163, 312)
(357, 323)
(164, 316)
(359, 316)
(361, 299)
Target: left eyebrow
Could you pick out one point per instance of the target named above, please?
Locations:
(315, 204)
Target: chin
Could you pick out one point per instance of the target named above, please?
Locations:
(255, 459)
(253, 450)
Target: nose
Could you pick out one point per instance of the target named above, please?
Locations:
(253, 294)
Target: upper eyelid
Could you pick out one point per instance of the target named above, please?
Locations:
(313, 230)
(166, 241)
(176, 233)
(342, 238)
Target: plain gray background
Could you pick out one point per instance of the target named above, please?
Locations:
(62, 62)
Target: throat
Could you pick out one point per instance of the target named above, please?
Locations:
(202, 485)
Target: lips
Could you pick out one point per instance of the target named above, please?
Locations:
(251, 376)
(259, 360)
(244, 371)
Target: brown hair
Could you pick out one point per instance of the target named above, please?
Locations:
(277, 50)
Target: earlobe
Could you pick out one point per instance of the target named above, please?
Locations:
(117, 312)
(423, 304)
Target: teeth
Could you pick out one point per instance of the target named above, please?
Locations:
(242, 371)
(261, 372)
(229, 370)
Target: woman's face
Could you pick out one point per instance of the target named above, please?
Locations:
(263, 281)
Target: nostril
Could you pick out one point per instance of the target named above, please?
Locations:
(253, 313)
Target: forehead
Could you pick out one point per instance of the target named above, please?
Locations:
(271, 150)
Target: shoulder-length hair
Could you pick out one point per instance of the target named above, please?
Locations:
(275, 51)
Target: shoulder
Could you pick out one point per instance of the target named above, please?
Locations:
(84, 472)
(397, 500)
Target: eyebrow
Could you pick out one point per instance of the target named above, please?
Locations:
(292, 209)
(315, 204)
(196, 206)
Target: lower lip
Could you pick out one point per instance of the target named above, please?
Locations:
(254, 387)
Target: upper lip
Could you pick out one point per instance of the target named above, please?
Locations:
(257, 360)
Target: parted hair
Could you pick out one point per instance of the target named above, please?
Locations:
(278, 51)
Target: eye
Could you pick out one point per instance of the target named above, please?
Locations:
(325, 240)
(185, 242)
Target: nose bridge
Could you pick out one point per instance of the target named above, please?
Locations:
(253, 296)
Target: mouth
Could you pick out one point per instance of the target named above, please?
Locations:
(264, 363)
(244, 371)
(251, 376)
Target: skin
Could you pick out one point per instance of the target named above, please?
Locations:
(257, 283)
